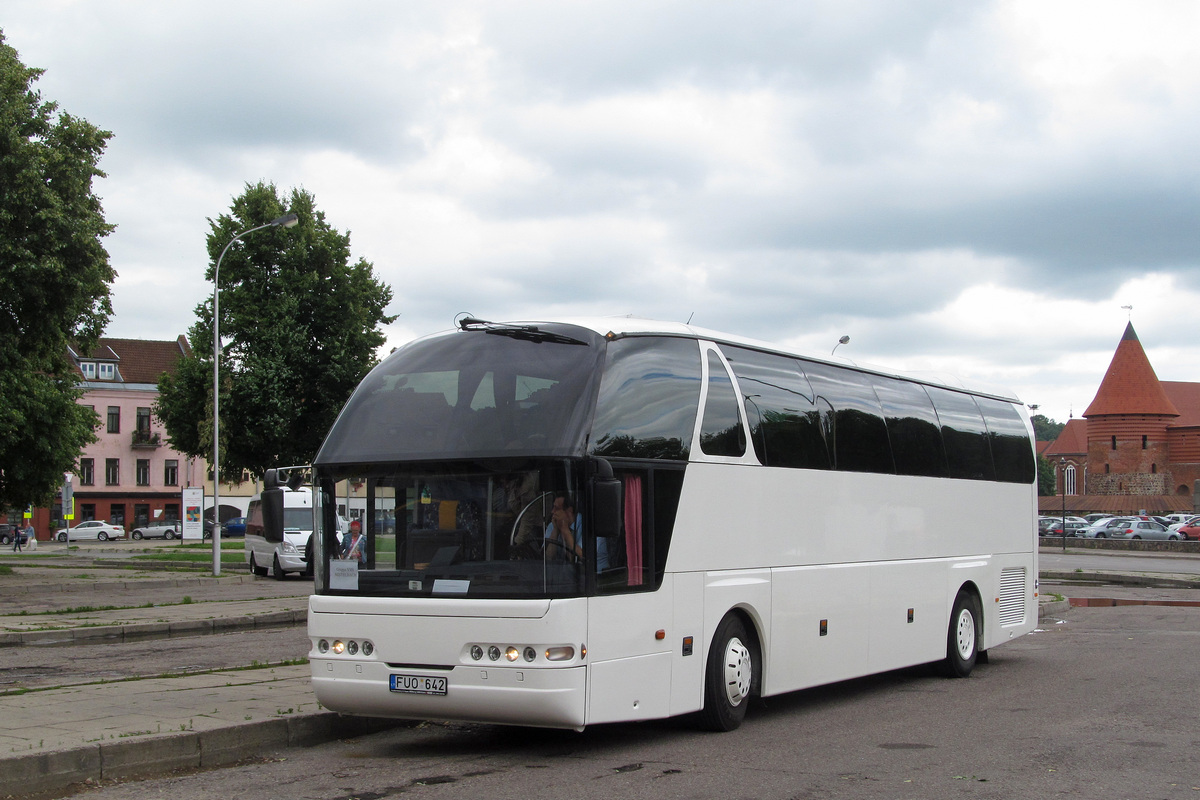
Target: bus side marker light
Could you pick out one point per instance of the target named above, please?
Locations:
(824, 627)
(562, 653)
(910, 615)
(659, 635)
(687, 645)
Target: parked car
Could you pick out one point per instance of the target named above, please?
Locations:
(1044, 523)
(1189, 531)
(1103, 529)
(1074, 526)
(1145, 529)
(161, 530)
(1186, 519)
(233, 527)
(92, 529)
(7, 533)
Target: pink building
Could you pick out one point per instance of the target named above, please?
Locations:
(130, 476)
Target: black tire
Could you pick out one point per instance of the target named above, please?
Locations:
(137, 534)
(62, 537)
(169, 535)
(1101, 535)
(963, 636)
(1137, 537)
(256, 569)
(277, 571)
(102, 536)
(5, 539)
(730, 676)
(308, 558)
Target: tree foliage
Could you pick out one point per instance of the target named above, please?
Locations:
(1046, 429)
(300, 327)
(1047, 479)
(54, 282)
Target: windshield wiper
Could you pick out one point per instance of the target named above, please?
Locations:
(528, 333)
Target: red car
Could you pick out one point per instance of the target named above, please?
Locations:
(1190, 531)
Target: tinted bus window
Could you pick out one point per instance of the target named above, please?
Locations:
(964, 435)
(648, 399)
(859, 436)
(1012, 453)
(785, 424)
(721, 431)
(912, 428)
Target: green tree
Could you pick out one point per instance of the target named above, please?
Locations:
(1047, 480)
(1046, 429)
(300, 327)
(54, 282)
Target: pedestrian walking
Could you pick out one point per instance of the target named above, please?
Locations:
(31, 536)
(18, 539)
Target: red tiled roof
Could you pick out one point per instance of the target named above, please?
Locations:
(140, 360)
(1116, 504)
(1072, 440)
(1130, 385)
(1185, 397)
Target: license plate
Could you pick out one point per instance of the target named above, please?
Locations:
(418, 684)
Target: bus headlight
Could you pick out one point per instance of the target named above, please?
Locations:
(339, 647)
(476, 652)
(512, 654)
(323, 646)
(562, 653)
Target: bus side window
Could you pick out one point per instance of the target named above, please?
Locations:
(964, 435)
(912, 428)
(859, 437)
(721, 430)
(1012, 452)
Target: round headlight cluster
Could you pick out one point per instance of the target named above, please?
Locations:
(349, 647)
(513, 653)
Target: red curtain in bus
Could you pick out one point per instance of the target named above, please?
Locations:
(633, 528)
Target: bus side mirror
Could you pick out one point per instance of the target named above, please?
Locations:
(607, 506)
(272, 506)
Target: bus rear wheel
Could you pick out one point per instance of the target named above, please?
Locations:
(729, 677)
(962, 639)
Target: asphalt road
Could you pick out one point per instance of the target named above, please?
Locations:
(1098, 704)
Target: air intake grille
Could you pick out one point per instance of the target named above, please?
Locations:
(1012, 596)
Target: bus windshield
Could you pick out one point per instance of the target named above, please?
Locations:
(482, 529)
(473, 394)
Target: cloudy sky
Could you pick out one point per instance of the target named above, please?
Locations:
(968, 186)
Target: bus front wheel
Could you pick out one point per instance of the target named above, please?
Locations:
(962, 639)
(729, 677)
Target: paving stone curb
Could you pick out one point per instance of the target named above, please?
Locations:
(46, 774)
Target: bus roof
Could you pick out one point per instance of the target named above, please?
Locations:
(621, 326)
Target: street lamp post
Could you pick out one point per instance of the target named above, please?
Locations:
(286, 221)
(1063, 463)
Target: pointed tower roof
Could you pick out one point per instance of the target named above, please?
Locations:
(1130, 385)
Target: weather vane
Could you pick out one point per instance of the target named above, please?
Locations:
(1130, 310)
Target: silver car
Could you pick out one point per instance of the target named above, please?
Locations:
(1145, 529)
(161, 530)
(1102, 529)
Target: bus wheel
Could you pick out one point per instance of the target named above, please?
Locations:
(730, 675)
(962, 640)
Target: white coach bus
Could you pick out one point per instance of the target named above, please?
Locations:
(600, 520)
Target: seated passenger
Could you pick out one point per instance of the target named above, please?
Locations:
(562, 534)
(353, 545)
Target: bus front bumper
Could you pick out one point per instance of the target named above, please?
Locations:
(542, 697)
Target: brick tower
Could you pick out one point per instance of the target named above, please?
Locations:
(1127, 427)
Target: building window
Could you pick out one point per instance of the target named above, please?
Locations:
(1114, 443)
(1106, 469)
(171, 472)
(114, 419)
(143, 472)
(1154, 469)
(87, 511)
(1069, 479)
(143, 421)
(112, 471)
(87, 471)
(108, 372)
(88, 368)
